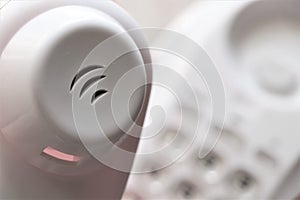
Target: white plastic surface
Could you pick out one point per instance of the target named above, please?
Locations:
(255, 45)
(64, 98)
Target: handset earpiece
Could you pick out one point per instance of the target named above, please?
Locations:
(64, 98)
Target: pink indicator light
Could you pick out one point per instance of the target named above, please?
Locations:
(49, 151)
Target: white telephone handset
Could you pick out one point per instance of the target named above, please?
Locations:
(64, 99)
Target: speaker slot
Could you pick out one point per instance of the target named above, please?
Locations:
(90, 82)
(98, 95)
(82, 72)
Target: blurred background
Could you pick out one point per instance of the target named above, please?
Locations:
(154, 13)
(255, 46)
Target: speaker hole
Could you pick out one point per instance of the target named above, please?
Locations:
(98, 94)
(82, 72)
(90, 82)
